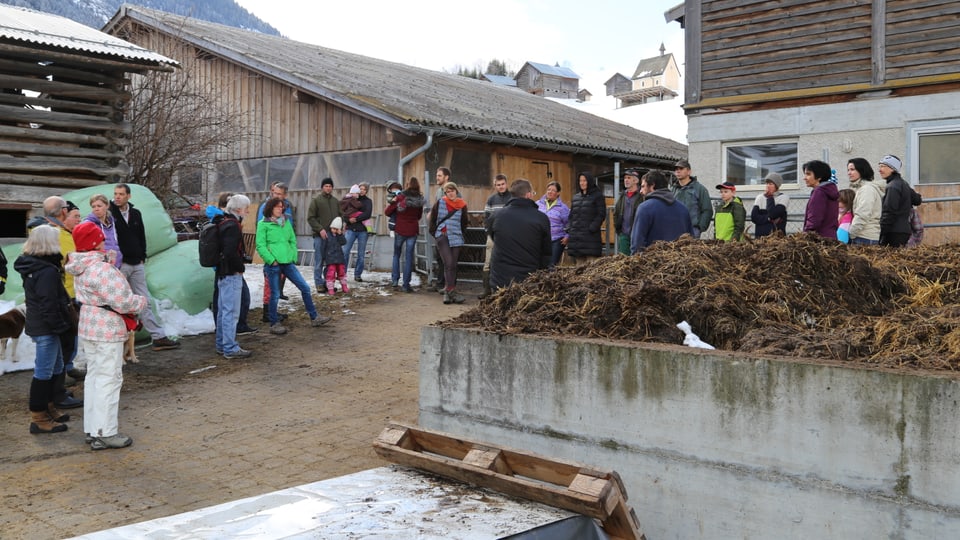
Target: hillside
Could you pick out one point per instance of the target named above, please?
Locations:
(96, 13)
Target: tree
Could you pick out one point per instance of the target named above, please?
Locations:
(498, 67)
(178, 126)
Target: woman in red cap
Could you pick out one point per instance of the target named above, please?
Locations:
(104, 294)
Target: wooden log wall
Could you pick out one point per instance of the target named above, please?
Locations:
(61, 118)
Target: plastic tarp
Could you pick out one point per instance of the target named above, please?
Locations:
(173, 272)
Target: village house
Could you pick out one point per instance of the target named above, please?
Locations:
(62, 99)
(771, 86)
(655, 79)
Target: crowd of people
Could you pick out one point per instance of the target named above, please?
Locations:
(84, 279)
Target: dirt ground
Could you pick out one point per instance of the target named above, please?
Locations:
(305, 407)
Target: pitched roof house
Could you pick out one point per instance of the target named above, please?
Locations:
(769, 87)
(548, 81)
(62, 97)
(655, 79)
(315, 112)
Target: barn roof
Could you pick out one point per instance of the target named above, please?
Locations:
(411, 99)
(500, 79)
(650, 67)
(35, 27)
(557, 71)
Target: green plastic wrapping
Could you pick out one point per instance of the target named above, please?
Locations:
(157, 224)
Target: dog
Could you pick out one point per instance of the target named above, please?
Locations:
(129, 351)
(11, 327)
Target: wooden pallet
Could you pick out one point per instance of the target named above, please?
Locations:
(564, 484)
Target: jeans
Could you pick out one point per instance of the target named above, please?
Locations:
(361, 238)
(556, 254)
(228, 312)
(244, 304)
(137, 278)
(319, 245)
(864, 242)
(274, 272)
(49, 358)
(408, 244)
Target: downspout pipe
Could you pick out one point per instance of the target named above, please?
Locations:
(406, 159)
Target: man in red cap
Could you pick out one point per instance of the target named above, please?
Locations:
(104, 295)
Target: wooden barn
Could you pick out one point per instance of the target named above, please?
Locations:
(548, 81)
(63, 92)
(314, 112)
(772, 85)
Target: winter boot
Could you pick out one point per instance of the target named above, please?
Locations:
(447, 299)
(56, 415)
(485, 277)
(40, 422)
(330, 290)
(456, 297)
(343, 284)
(266, 313)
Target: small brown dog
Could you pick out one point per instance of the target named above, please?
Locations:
(11, 327)
(129, 349)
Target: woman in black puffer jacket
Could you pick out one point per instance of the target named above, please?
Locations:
(587, 213)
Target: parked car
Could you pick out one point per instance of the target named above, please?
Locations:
(187, 216)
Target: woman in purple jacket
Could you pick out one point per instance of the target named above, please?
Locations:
(558, 214)
(821, 214)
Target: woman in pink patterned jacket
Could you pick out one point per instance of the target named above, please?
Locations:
(104, 294)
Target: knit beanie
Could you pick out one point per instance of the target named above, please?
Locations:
(355, 189)
(326, 181)
(892, 161)
(774, 179)
(337, 223)
(87, 236)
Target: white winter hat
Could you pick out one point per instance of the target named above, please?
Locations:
(337, 223)
(355, 189)
(892, 161)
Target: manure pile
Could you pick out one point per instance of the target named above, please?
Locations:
(798, 296)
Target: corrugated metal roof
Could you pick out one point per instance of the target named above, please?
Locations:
(413, 99)
(558, 71)
(500, 79)
(22, 24)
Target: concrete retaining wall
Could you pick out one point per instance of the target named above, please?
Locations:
(713, 444)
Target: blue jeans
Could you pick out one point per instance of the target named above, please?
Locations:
(864, 242)
(294, 276)
(244, 304)
(228, 312)
(49, 357)
(556, 252)
(319, 245)
(408, 244)
(361, 238)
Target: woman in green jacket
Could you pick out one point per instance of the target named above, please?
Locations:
(277, 246)
(731, 218)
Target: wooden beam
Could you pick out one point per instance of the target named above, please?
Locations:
(81, 59)
(51, 165)
(57, 104)
(28, 67)
(35, 149)
(40, 134)
(60, 88)
(60, 119)
(58, 181)
(878, 42)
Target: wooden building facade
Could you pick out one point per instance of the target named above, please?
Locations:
(772, 85)
(312, 112)
(548, 81)
(63, 93)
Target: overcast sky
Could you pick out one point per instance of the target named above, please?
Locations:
(594, 38)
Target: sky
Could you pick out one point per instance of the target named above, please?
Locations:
(596, 38)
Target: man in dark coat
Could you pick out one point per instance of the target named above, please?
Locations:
(132, 239)
(521, 237)
(660, 217)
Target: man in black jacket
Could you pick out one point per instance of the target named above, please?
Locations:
(521, 237)
(133, 245)
(495, 203)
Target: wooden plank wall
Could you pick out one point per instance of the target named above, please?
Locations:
(278, 119)
(757, 46)
(922, 38)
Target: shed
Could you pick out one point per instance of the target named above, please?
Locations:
(314, 112)
(63, 90)
(548, 81)
(619, 83)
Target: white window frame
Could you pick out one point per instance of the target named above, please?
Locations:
(917, 129)
(760, 186)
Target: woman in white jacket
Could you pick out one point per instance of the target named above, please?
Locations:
(865, 227)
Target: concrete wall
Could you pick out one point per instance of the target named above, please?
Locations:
(713, 444)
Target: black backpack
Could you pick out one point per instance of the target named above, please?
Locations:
(210, 251)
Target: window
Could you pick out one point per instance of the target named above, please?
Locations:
(745, 164)
(932, 156)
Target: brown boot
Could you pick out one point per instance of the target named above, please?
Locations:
(40, 422)
(56, 415)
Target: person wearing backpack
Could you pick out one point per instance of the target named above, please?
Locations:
(243, 328)
(230, 276)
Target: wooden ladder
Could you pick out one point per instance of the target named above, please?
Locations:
(563, 484)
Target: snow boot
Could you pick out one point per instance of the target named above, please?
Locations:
(40, 422)
(343, 285)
